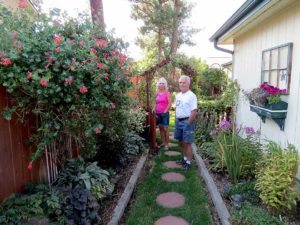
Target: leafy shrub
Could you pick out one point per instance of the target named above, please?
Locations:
(213, 81)
(205, 123)
(17, 209)
(71, 76)
(78, 174)
(111, 152)
(134, 144)
(80, 207)
(253, 215)
(276, 177)
(251, 151)
(229, 148)
(137, 119)
(245, 189)
(208, 150)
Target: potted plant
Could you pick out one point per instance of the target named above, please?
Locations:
(266, 102)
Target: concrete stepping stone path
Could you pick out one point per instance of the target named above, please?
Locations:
(172, 153)
(173, 145)
(171, 220)
(173, 177)
(170, 200)
(171, 165)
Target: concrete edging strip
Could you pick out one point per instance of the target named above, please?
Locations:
(123, 201)
(212, 188)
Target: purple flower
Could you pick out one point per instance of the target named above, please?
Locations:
(213, 132)
(249, 130)
(224, 125)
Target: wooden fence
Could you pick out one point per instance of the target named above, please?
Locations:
(15, 153)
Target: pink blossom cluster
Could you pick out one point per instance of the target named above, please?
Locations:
(271, 89)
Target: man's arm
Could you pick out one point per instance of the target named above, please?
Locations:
(193, 116)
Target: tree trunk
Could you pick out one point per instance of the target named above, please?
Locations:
(159, 38)
(97, 13)
(175, 34)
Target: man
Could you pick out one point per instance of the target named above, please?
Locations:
(186, 112)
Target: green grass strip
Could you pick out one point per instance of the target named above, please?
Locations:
(146, 211)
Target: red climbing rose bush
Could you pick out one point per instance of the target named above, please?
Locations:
(71, 76)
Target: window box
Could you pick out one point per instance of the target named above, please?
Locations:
(276, 112)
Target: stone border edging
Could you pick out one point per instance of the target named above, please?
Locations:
(123, 201)
(212, 188)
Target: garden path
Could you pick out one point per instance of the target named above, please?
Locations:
(170, 195)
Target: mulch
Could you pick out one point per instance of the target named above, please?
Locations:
(121, 179)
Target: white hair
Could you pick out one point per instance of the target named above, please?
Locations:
(162, 80)
(186, 78)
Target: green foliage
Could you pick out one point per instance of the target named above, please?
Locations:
(156, 17)
(213, 81)
(228, 146)
(134, 144)
(211, 105)
(80, 207)
(245, 189)
(253, 215)
(204, 125)
(78, 174)
(17, 210)
(251, 151)
(72, 77)
(208, 150)
(276, 177)
(137, 119)
(230, 94)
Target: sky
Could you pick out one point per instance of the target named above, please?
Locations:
(208, 15)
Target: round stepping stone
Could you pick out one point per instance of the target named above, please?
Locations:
(172, 153)
(170, 200)
(167, 220)
(173, 145)
(173, 177)
(171, 165)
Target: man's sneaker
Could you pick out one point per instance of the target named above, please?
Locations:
(181, 162)
(186, 166)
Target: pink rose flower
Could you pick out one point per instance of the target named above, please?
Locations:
(29, 165)
(98, 131)
(29, 75)
(6, 62)
(102, 43)
(69, 80)
(93, 51)
(57, 49)
(112, 105)
(57, 39)
(83, 89)
(23, 4)
(44, 83)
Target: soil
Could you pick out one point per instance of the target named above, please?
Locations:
(120, 180)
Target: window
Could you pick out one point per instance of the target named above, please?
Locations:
(276, 66)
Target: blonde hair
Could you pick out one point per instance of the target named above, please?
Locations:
(162, 80)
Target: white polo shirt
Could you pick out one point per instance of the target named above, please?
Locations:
(185, 104)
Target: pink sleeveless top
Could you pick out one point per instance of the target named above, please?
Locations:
(161, 102)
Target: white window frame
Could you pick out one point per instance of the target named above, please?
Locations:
(276, 64)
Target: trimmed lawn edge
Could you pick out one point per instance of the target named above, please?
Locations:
(219, 204)
(125, 197)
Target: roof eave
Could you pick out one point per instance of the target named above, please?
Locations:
(237, 17)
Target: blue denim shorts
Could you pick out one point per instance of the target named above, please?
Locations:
(163, 119)
(184, 131)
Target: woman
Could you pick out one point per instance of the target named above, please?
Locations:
(162, 107)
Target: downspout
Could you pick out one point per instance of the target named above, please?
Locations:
(221, 49)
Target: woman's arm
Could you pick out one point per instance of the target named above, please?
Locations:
(169, 102)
